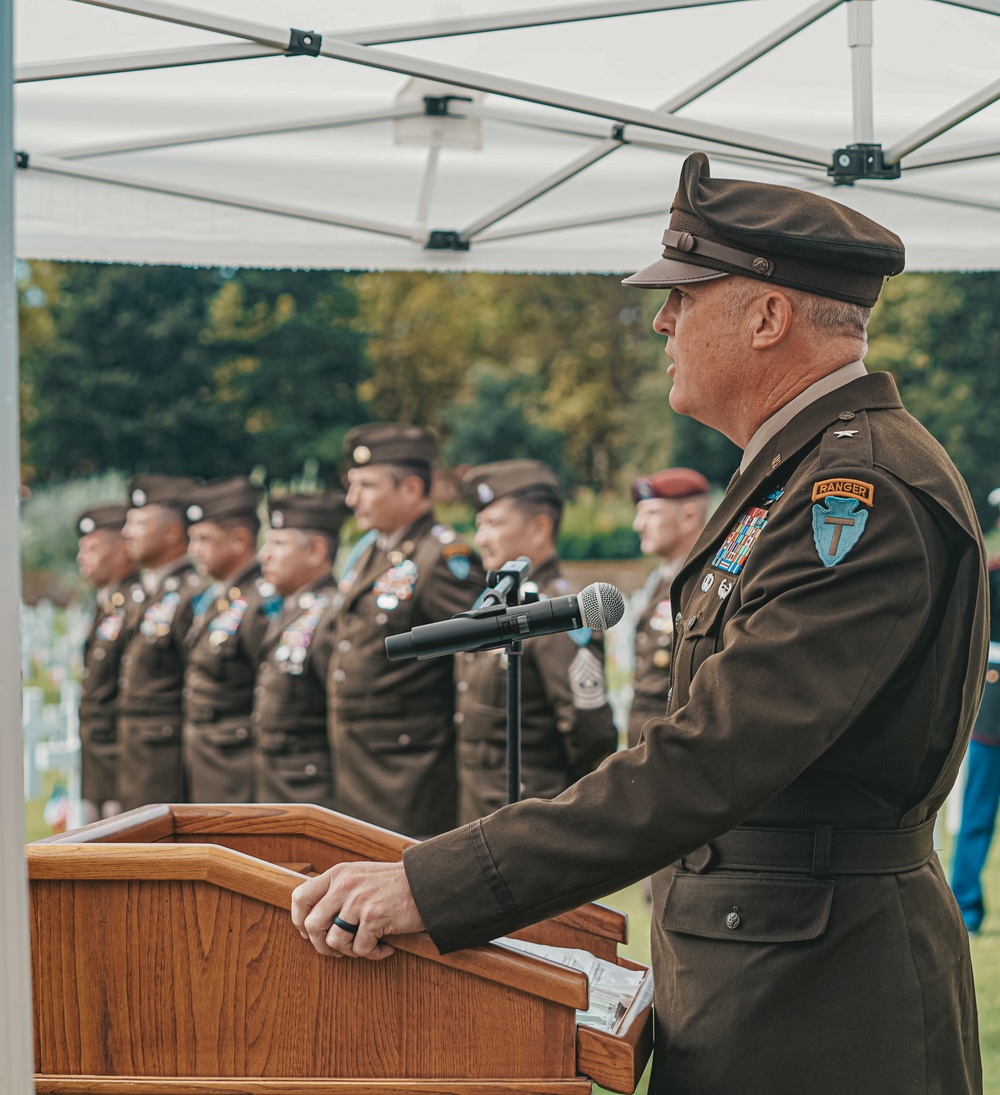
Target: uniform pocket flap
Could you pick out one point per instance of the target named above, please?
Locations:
(748, 908)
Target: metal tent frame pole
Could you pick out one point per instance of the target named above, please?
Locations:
(17, 1057)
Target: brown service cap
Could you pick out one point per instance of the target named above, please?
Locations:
(111, 516)
(770, 233)
(159, 490)
(389, 443)
(311, 512)
(669, 483)
(219, 499)
(504, 478)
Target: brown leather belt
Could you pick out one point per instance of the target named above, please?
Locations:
(819, 852)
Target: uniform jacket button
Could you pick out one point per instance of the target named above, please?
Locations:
(310, 769)
(733, 918)
(241, 732)
(344, 645)
(462, 686)
(404, 739)
(459, 718)
(339, 675)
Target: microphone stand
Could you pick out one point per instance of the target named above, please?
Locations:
(507, 582)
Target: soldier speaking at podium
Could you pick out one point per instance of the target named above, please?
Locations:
(291, 750)
(104, 561)
(830, 643)
(222, 647)
(567, 728)
(391, 725)
(159, 617)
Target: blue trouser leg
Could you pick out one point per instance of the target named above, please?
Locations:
(979, 811)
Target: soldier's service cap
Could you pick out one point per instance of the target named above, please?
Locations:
(221, 499)
(771, 233)
(324, 512)
(111, 516)
(159, 490)
(389, 443)
(670, 483)
(488, 483)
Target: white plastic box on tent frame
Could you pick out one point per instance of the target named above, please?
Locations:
(488, 139)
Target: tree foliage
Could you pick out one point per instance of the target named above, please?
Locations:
(185, 371)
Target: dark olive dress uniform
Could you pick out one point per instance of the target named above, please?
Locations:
(831, 636)
(150, 687)
(222, 650)
(291, 747)
(102, 652)
(391, 723)
(654, 630)
(654, 643)
(567, 727)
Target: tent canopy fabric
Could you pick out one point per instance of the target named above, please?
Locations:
(462, 134)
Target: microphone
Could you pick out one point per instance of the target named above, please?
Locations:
(598, 606)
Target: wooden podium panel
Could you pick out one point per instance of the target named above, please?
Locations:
(164, 962)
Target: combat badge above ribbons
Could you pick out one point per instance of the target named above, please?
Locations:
(839, 516)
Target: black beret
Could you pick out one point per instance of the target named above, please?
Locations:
(222, 498)
(111, 516)
(771, 233)
(507, 478)
(324, 512)
(389, 443)
(159, 490)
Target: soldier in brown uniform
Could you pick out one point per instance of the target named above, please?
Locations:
(671, 508)
(391, 723)
(104, 561)
(223, 645)
(152, 677)
(829, 662)
(567, 727)
(291, 749)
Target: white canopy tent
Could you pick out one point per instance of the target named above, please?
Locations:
(158, 133)
(454, 135)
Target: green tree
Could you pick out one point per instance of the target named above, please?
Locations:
(289, 364)
(939, 335)
(123, 381)
(493, 425)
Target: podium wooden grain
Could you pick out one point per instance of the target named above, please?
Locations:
(164, 962)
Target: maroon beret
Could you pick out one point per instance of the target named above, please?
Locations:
(670, 483)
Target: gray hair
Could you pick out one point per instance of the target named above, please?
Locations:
(822, 313)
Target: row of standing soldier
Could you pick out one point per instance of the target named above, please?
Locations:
(217, 673)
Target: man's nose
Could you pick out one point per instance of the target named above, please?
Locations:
(663, 324)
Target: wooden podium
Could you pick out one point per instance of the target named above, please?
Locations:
(164, 962)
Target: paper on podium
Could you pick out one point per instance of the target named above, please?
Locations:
(611, 986)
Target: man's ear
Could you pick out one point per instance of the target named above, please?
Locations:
(772, 315)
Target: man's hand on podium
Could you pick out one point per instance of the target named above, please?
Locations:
(374, 896)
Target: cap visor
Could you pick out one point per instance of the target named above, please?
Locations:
(666, 272)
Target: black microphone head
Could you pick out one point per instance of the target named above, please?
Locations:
(602, 605)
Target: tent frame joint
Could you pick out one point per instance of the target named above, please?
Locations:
(860, 161)
(304, 43)
(21, 160)
(445, 240)
(618, 133)
(438, 106)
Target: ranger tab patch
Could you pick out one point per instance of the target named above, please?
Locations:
(839, 516)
